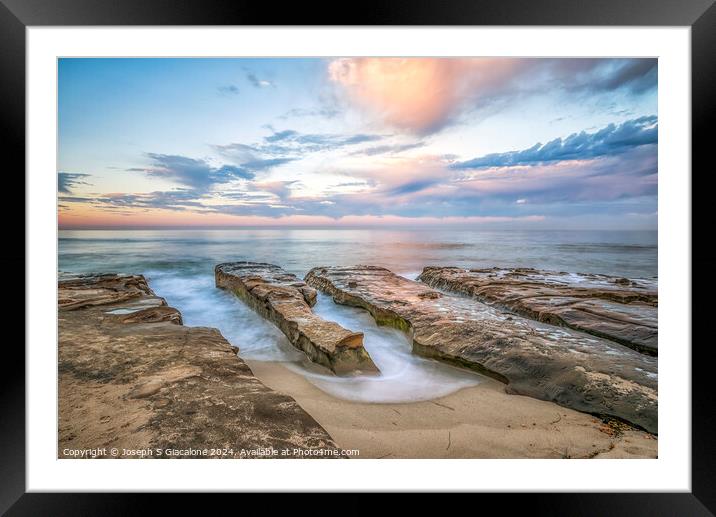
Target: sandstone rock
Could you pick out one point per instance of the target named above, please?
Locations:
(131, 376)
(80, 291)
(535, 359)
(618, 309)
(285, 300)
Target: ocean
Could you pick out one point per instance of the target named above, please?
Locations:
(179, 266)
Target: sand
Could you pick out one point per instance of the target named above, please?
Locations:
(133, 380)
(478, 422)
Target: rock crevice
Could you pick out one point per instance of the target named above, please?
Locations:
(570, 368)
(618, 309)
(286, 301)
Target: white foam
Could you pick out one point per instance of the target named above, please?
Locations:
(404, 377)
(202, 304)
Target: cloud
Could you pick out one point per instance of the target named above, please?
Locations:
(416, 94)
(426, 187)
(192, 172)
(632, 75)
(359, 139)
(617, 166)
(323, 112)
(326, 105)
(631, 174)
(229, 89)
(413, 186)
(610, 140)
(320, 141)
(423, 95)
(280, 189)
(609, 171)
(388, 149)
(287, 134)
(181, 199)
(287, 145)
(66, 181)
(259, 83)
(262, 165)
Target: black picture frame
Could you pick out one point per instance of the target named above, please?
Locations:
(700, 15)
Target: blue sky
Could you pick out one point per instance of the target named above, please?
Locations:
(548, 143)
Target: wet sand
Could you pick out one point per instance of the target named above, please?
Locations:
(478, 422)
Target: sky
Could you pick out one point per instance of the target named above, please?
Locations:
(494, 142)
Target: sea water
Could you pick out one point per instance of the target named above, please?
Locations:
(179, 265)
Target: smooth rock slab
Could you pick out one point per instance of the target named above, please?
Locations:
(131, 376)
(286, 301)
(618, 309)
(84, 290)
(547, 362)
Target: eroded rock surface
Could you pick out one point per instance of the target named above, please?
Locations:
(286, 300)
(619, 309)
(547, 362)
(131, 376)
(79, 291)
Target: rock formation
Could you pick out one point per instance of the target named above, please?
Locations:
(535, 359)
(618, 309)
(285, 300)
(133, 378)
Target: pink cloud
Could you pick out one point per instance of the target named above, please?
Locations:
(385, 175)
(422, 95)
(632, 174)
(419, 94)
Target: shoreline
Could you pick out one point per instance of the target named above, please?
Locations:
(475, 422)
(134, 381)
(131, 375)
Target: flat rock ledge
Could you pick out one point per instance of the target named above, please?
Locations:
(547, 362)
(286, 301)
(133, 378)
(620, 309)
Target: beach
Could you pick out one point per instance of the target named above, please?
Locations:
(418, 406)
(477, 422)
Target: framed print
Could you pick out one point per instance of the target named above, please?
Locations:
(426, 249)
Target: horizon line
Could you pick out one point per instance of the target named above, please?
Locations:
(339, 227)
